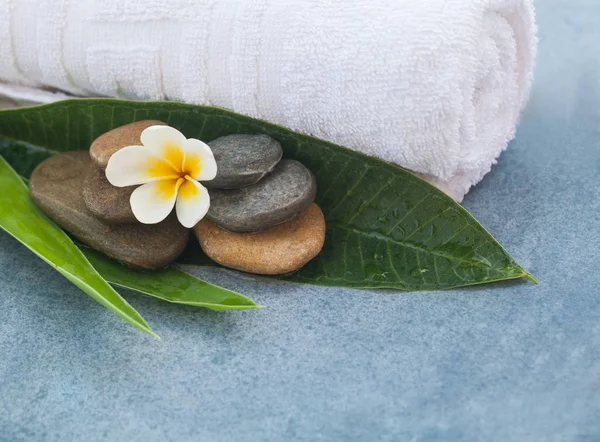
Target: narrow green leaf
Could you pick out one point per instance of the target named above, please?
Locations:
(386, 228)
(170, 285)
(20, 217)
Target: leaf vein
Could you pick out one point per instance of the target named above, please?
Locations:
(349, 192)
(402, 243)
(406, 214)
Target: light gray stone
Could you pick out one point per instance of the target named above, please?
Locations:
(243, 160)
(56, 188)
(278, 197)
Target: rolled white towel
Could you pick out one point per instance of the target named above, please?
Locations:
(433, 85)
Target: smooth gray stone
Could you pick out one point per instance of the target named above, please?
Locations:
(243, 160)
(56, 188)
(107, 202)
(278, 197)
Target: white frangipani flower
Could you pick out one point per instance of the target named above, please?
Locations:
(168, 166)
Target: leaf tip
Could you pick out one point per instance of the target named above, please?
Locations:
(246, 307)
(151, 332)
(530, 277)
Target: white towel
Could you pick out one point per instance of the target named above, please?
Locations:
(435, 86)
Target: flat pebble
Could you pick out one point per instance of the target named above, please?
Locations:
(278, 197)
(107, 202)
(279, 250)
(243, 160)
(56, 188)
(110, 142)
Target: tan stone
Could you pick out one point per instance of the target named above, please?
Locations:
(281, 249)
(107, 144)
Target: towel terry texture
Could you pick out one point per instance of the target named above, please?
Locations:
(436, 86)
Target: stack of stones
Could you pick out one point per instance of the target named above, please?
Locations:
(262, 217)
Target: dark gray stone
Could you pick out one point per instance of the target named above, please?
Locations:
(243, 160)
(107, 202)
(281, 195)
(56, 188)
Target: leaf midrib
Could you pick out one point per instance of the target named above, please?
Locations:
(382, 237)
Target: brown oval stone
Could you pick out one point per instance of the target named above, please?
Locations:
(107, 202)
(281, 249)
(107, 144)
(56, 189)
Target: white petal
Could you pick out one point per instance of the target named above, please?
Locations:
(134, 165)
(193, 202)
(152, 202)
(155, 137)
(200, 162)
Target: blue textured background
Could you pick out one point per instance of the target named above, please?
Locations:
(513, 362)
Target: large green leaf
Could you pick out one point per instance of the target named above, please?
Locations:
(20, 217)
(170, 285)
(385, 226)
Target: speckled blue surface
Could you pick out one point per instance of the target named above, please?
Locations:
(514, 362)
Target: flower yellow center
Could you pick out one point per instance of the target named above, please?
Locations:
(176, 171)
